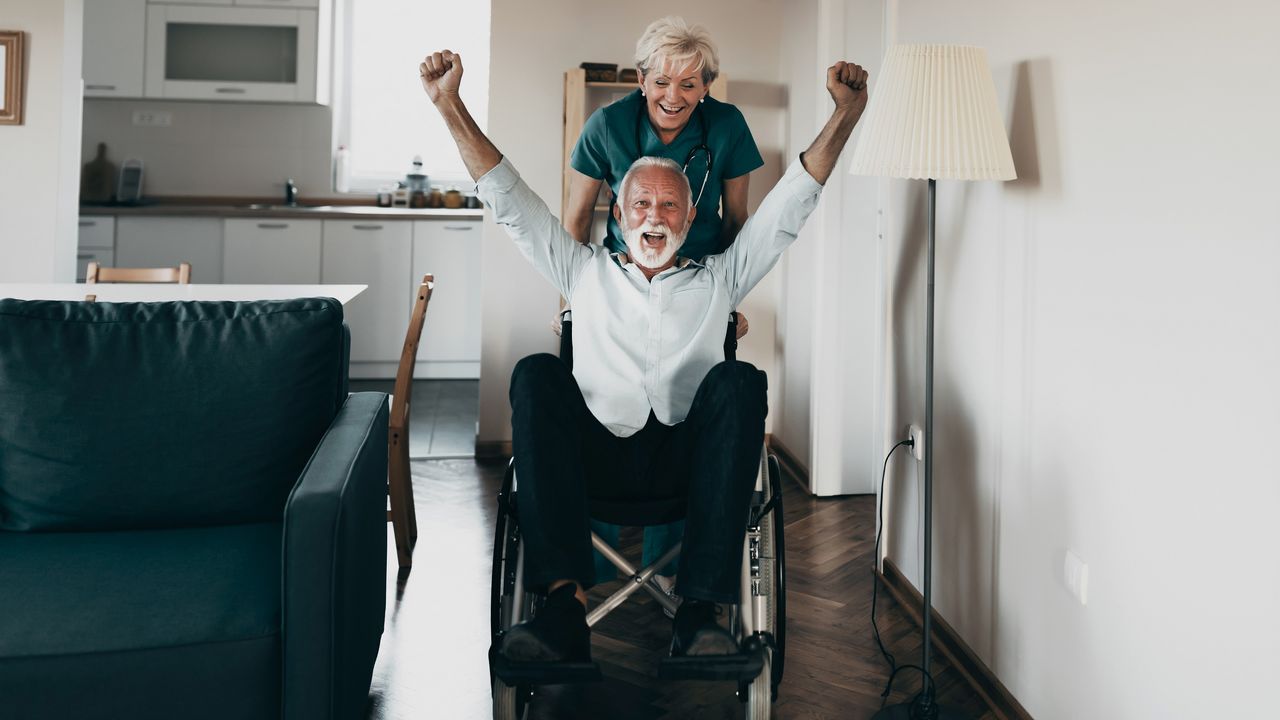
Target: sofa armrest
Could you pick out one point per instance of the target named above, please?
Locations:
(335, 560)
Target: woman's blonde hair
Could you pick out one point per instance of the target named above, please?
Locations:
(673, 40)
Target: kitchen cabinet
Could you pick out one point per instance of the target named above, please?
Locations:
(377, 254)
(271, 251)
(280, 3)
(97, 231)
(114, 36)
(168, 241)
(274, 54)
(450, 250)
(96, 243)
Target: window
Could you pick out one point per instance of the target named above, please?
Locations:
(384, 117)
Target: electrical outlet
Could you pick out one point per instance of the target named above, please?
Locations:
(152, 118)
(916, 433)
(1075, 572)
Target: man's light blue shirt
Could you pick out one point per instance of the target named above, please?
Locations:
(641, 345)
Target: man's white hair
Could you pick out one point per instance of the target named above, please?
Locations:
(650, 161)
(671, 39)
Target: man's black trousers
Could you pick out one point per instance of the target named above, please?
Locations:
(563, 455)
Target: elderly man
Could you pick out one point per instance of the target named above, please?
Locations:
(651, 409)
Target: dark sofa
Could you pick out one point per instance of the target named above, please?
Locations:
(192, 512)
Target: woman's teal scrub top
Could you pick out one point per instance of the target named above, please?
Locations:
(608, 146)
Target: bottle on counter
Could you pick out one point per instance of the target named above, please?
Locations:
(342, 170)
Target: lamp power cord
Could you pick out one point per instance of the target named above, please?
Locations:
(925, 697)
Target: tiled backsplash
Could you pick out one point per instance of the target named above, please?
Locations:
(217, 148)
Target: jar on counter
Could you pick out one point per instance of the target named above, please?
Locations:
(473, 202)
(453, 199)
(417, 199)
(384, 195)
(435, 198)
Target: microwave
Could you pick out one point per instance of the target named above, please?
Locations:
(253, 54)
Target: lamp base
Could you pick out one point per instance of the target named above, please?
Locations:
(912, 711)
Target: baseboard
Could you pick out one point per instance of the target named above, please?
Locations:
(947, 641)
(493, 449)
(789, 462)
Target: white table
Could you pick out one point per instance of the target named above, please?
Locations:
(127, 292)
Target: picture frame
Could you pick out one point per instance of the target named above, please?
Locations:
(12, 75)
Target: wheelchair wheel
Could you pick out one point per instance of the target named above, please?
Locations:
(780, 575)
(510, 703)
(760, 693)
(506, 595)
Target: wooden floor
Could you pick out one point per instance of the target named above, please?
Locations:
(442, 415)
(433, 662)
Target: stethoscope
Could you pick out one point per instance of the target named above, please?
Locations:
(643, 117)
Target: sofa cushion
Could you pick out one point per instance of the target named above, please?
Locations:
(96, 592)
(153, 415)
(159, 623)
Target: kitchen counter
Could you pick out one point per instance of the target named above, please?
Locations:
(266, 210)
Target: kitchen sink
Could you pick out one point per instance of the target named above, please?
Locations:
(281, 206)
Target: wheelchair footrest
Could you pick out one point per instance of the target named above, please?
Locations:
(543, 673)
(742, 667)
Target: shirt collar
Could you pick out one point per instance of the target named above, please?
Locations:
(682, 262)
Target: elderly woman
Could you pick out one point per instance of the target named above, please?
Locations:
(670, 115)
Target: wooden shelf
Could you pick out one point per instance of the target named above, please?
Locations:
(614, 85)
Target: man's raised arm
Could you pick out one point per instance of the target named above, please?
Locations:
(847, 84)
(441, 77)
(777, 222)
(527, 219)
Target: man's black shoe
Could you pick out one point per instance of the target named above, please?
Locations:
(695, 631)
(558, 633)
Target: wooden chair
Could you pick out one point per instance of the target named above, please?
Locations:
(95, 273)
(402, 516)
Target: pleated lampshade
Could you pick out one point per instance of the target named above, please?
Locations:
(934, 115)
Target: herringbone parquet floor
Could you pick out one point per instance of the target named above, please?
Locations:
(433, 662)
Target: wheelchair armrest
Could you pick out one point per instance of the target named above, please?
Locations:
(731, 338)
(566, 337)
(335, 559)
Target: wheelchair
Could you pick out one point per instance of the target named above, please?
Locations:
(758, 621)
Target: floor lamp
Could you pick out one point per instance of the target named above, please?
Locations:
(932, 117)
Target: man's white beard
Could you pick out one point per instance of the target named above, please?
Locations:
(649, 257)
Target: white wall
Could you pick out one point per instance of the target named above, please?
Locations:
(1108, 334)
(532, 45)
(40, 182)
(830, 365)
(795, 328)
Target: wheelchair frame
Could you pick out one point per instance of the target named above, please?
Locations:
(759, 623)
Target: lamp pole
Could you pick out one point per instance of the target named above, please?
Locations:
(928, 439)
(925, 706)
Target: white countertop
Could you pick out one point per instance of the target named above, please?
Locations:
(124, 292)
